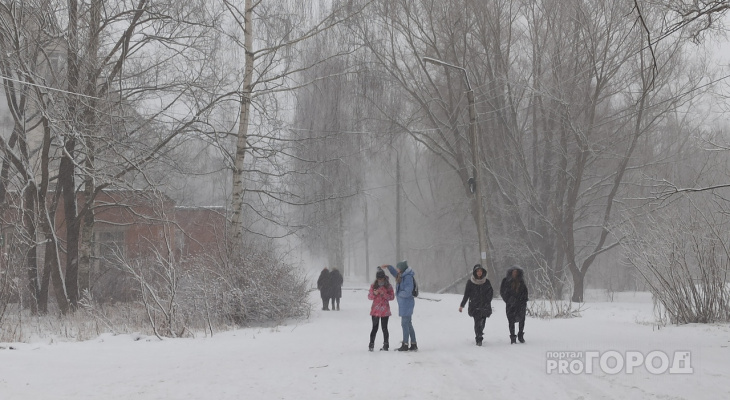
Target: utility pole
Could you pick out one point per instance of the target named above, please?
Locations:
(367, 241)
(475, 182)
(398, 209)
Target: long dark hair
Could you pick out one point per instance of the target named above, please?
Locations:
(515, 281)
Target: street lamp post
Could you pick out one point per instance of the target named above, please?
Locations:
(476, 187)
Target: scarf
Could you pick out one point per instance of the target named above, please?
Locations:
(478, 281)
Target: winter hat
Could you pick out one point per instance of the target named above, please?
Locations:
(476, 267)
(402, 266)
(380, 274)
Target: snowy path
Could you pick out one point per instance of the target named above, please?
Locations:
(326, 357)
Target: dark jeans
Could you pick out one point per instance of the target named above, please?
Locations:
(479, 322)
(516, 315)
(374, 331)
(335, 299)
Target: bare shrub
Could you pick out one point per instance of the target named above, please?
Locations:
(172, 298)
(546, 301)
(252, 286)
(255, 286)
(158, 281)
(552, 308)
(684, 259)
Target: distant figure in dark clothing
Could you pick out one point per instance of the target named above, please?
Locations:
(336, 287)
(514, 293)
(479, 293)
(325, 288)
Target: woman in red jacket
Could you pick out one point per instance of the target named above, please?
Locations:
(381, 293)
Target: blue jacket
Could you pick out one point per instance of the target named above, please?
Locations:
(404, 291)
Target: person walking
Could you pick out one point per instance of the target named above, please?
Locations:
(336, 287)
(479, 293)
(323, 284)
(381, 293)
(405, 281)
(514, 293)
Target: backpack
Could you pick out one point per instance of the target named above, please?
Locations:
(415, 288)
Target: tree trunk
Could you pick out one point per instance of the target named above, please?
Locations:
(31, 258)
(85, 249)
(89, 121)
(67, 169)
(242, 137)
(578, 279)
(53, 268)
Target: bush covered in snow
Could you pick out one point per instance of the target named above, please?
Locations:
(685, 260)
(172, 297)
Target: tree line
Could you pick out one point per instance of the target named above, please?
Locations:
(321, 121)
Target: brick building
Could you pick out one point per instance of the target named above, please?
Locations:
(136, 224)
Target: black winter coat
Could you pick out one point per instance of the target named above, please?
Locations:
(336, 283)
(479, 296)
(324, 285)
(515, 301)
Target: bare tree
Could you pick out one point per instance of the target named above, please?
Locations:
(270, 45)
(564, 94)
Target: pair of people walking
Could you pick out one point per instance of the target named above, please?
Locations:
(381, 293)
(479, 293)
(329, 284)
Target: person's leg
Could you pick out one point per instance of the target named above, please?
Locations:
(479, 322)
(373, 332)
(404, 324)
(338, 304)
(386, 334)
(511, 321)
(325, 303)
(521, 333)
(412, 335)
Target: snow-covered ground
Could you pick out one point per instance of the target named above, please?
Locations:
(326, 357)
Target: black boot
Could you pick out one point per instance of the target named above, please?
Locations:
(513, 339)
(414, 347)
(479, 341)
(521, 337)
(385, 347)
(371, 346)
(403, 347)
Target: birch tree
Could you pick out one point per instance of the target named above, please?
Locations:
(268, 34)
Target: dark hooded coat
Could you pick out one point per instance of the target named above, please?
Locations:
(336, 281)
(514, 293)
(324, 284)
(479, 293)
